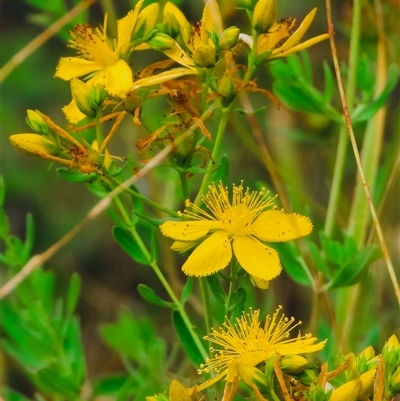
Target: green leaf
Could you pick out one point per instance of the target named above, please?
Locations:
(186, 339)
(2, 190)
(293, 262)
(365, 112)
(130, 246)
(216, 288)
(76, 176)
(305, 66)
(150, 296)
(318, 260)
(329, 83)
(187, 289)
(238, 301)
(111, 385)
(351, 273)
(29, 237)
(73, 294)
(221, 173)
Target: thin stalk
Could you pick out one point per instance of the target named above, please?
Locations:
(205, 296)
(161, 277)
(357, 157)
(334, 196)
(232, 285)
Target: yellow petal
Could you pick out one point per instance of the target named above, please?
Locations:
(177, 54)
(300, 31)
(162, 77)
(183, 246)
(118, 79)
(256, 258)
(187, 230)
(211, 20)
(70, 67)
(72, 113)
(301, 46)
(177, 392)
(177, 21)
(278, 226)
(210, 256)
(125, 28)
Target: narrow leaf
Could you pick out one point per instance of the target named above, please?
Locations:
(187, 289)
(186, 339)
(150, 296)
(130, 246)
(73, 293)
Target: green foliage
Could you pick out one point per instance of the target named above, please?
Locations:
(144, 353)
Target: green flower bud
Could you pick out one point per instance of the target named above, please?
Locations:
(81, 93)
(225, 86)
(317, 393)
(347, 392)
(97, 96)
(394, 384)
(204, 56)
(293, 364)
(265, 15)
(307, 377)
(391, 354)
(36, 122)
(229, 38)
(161, 41)
(34, 144)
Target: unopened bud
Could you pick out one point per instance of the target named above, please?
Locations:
(394, 384)
(204, 56)
(36, 122)
(347, 392)
(146, 20)
(97, 96)
(229, 38)
(161, 41)
(367, 383)
(265, 15)
(226, 88)
(175, 21)
(293, 364)
(254, 377)
(307, 377)
(366, 360)
(391, 354)
(81, 93)
(34, 144)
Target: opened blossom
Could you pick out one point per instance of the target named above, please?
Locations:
(248, 343)
(282, 39)
(234, 227)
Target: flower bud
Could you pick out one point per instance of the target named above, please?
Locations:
(226, 88)
(317, 393)
(391, 354)
(265, 15)
(228, 38)
(367, 383)
(293, 364)
(34, 144)
(347, 392)
(366, 360)
(146, 20)
(307, 377)
(204, 56)
(394, 384)
(36, 122)
(81, 93)
(97, 96)
(175, 22)
(254, 377)
(161, 41)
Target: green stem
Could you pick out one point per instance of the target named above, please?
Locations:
(179, 306)
(232, 285)
(184, 185)
(142, 198)
(334, 196)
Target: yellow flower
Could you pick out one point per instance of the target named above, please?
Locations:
(280, 41)
(249, 344)
(101, 57)
(240, 226)
(201, 39)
